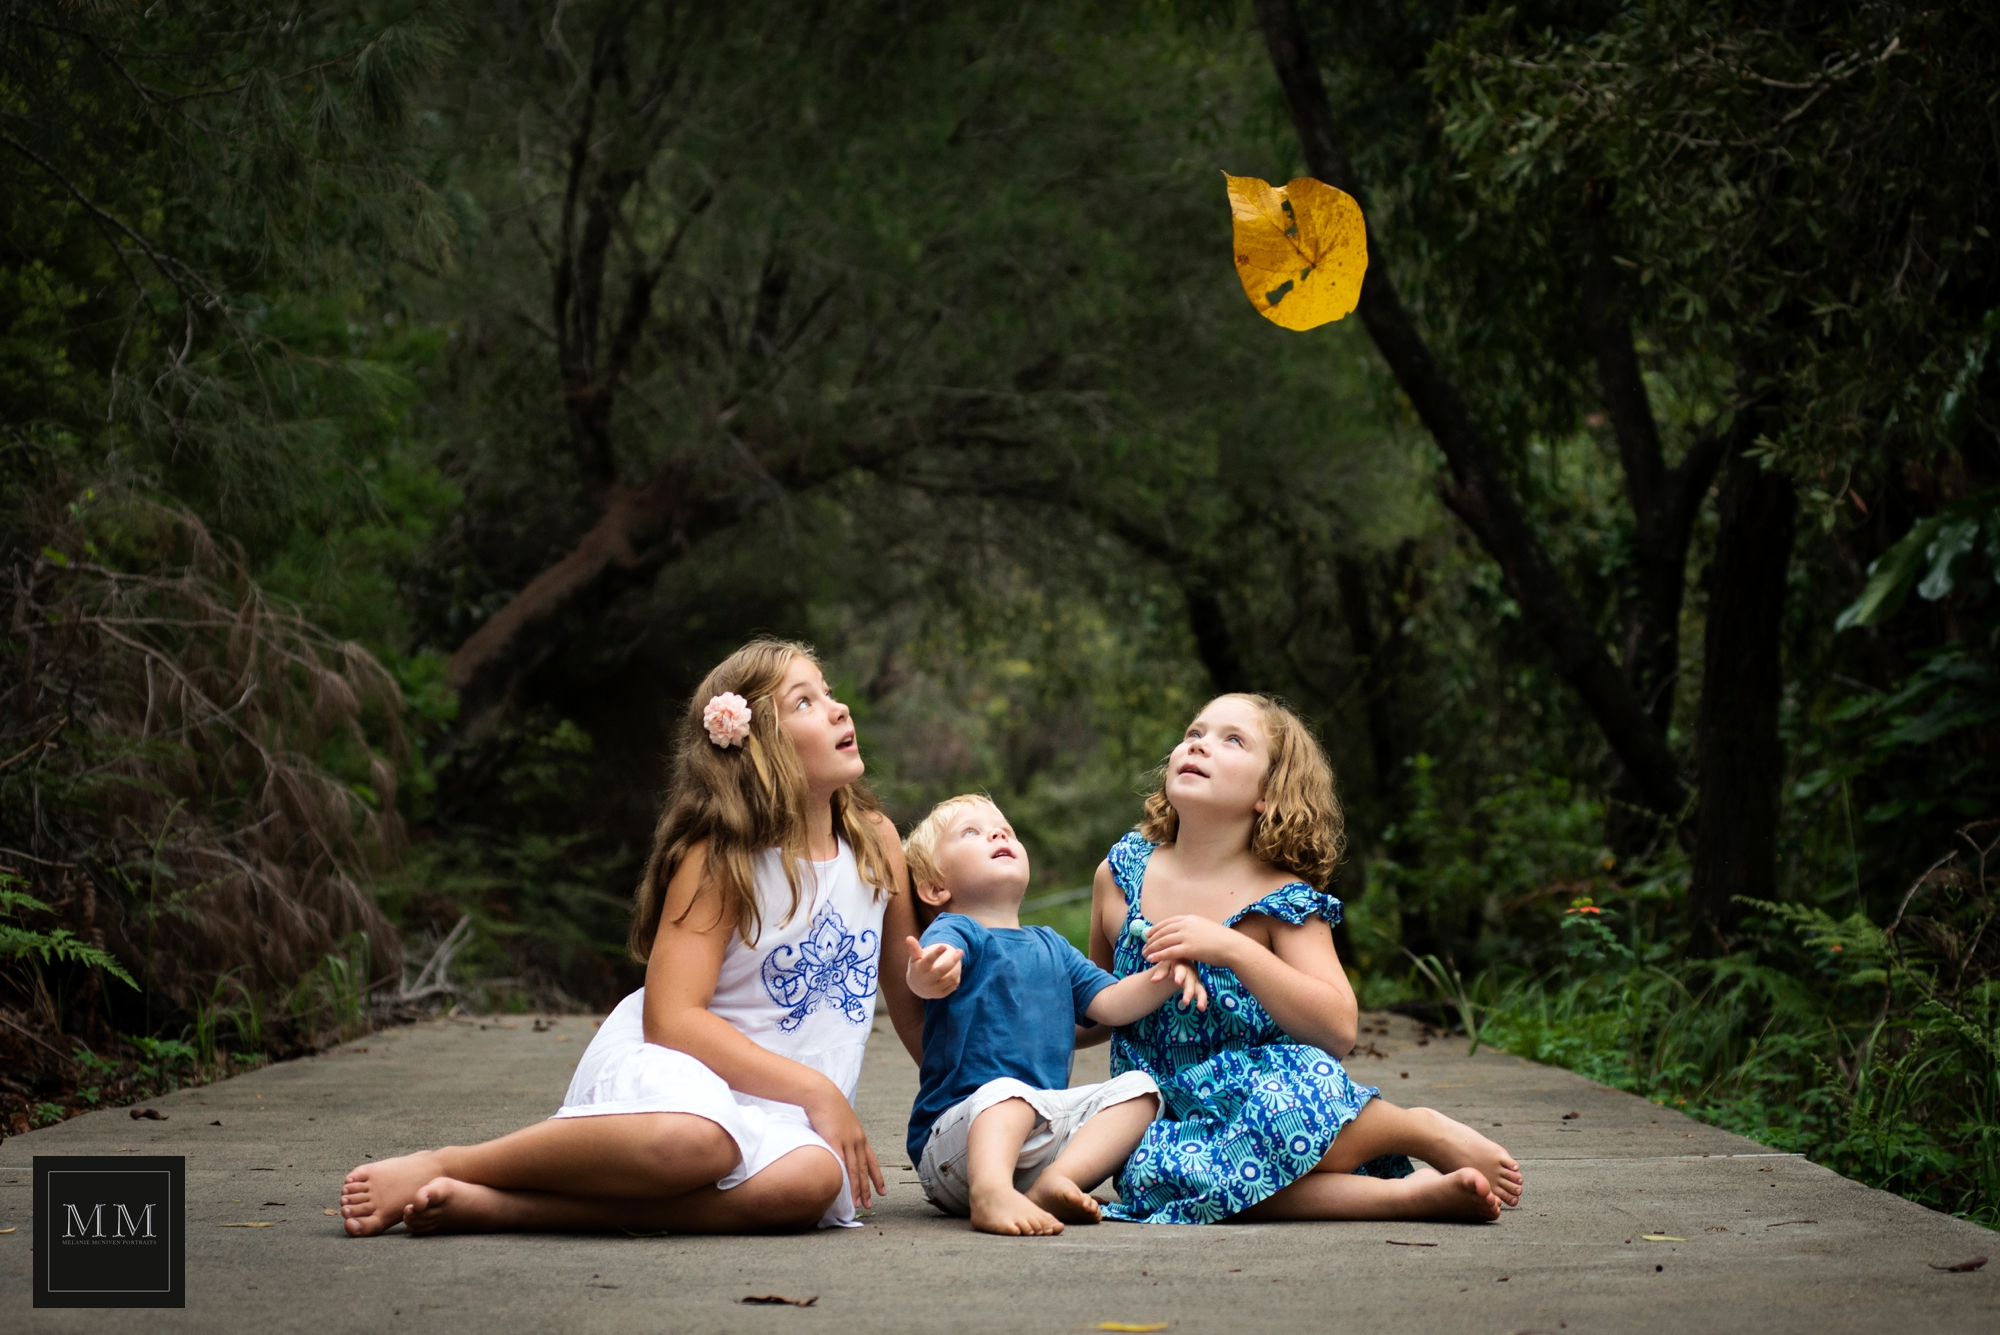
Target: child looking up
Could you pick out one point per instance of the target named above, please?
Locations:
(719, 1097)
(1259, 1120)
(995, 1133)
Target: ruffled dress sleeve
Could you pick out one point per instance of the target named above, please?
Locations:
(1293, 903)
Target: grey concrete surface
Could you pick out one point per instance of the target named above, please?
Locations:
(1769, 1242)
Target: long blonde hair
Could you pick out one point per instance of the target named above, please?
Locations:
(1301, 829)
(745, 799)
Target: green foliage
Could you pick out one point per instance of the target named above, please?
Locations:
(1873, 1050)
(1498, 866)
(56, 945)
(1715, 148)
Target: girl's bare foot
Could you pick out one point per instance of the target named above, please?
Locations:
(373, 1196)
(1064, 1199)
(1008, 1212)
(446, 1205)
(1462, 1194)
(1455, 1145)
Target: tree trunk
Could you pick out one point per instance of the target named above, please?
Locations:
(1736, 728)
(1213, 643)
(638, 529)
(1664, 500)
(1477, 490)
(1664, 504)
(1389, 741)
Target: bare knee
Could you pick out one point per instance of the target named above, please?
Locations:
(798, 1190)
(694, 1147)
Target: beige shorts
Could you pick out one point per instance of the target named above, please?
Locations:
(1059, 1114)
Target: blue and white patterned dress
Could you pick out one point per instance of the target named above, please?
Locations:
(1244, 1111)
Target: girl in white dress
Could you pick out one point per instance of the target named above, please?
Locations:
(719, 1098)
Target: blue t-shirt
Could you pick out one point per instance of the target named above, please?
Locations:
(1021, 993)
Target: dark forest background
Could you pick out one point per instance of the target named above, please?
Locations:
(402, 403)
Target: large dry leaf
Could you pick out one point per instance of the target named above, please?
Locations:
(1301, 249)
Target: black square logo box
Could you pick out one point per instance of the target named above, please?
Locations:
(110, 1231)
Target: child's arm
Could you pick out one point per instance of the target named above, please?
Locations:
(1132, 998)
(899, 919)
(1298, 979)
(1107, 910)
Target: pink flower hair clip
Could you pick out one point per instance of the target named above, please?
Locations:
(727, 718)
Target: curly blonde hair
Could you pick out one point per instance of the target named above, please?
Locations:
(1301, 829)
(745, 799)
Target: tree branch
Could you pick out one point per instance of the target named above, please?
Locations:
(1477, 491)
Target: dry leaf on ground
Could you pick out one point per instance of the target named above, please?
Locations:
(1962, 1267)
(1132, 1325)
(779, 1300)
(8, 1230)
(334, 1213)
(1660, 1237)
(150, 1114)
(254, 1223)
(1301, 249)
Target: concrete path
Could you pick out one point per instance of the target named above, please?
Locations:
(1765, 1242)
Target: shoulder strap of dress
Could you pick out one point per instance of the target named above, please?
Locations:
(1128, 859)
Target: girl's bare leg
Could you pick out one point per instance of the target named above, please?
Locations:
(645, 1156)
(1423, 1133)
(1425, 1194)
(1094, 1153)
(791, 1195)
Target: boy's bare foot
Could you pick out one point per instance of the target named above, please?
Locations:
(1065, 1200)
(373, 1196)
(446, 1205)
(1008, 1212)
(1456, 1145)
(1462, 1194)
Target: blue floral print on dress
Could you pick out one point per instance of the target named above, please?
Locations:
(1244, 1111)
(831, 967)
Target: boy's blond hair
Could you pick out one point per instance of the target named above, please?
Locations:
(1302, 829)
(920, 844)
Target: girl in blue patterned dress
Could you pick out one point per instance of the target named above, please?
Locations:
(1258, 1118)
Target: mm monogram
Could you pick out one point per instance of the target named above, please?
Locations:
(76, 1225)
(110, 1231)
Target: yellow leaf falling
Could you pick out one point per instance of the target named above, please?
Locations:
(1301, 249)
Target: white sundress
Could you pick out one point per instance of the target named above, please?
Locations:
(805, 991)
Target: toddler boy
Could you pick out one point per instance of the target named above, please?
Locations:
(995, 1133)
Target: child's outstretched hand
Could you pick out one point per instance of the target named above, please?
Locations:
(934, 971)
(1188, 980)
